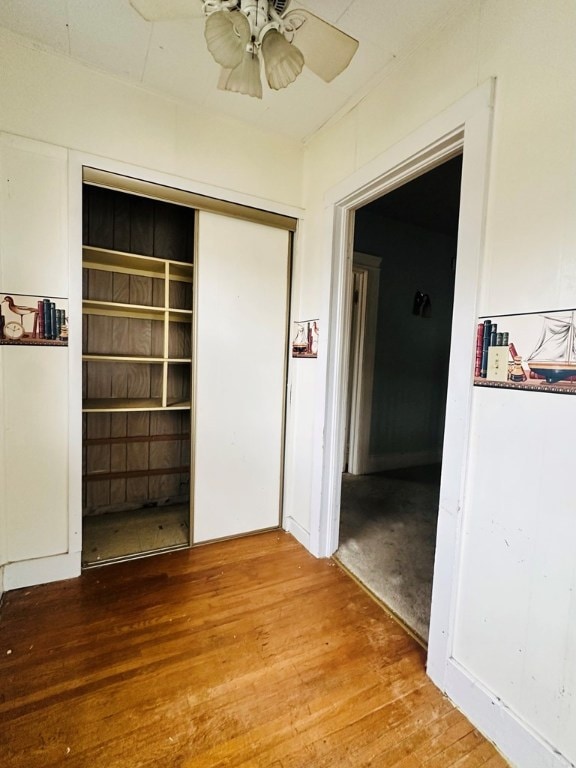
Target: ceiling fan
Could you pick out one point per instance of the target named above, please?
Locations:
(243, 35)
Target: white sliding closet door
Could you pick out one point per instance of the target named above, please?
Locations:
(242, 291)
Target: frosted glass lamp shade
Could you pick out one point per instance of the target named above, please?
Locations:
(227, 34)
(245, 78)
(283, 62)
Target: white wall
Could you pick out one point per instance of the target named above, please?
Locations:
(516, 615)
(49, 106)
(47, 97)
(33, 402)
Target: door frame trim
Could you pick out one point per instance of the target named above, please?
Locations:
(465, 127)
(358, 457)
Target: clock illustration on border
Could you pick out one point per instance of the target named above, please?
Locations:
(13, 330)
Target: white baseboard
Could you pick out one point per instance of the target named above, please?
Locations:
(299, 533)
(519, 744)
(384, 461)
(28, 573)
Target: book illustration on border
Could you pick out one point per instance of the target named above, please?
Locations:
(27, 320)
(536, 351)
(305, 343)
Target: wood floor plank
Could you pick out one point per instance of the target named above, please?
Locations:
(412, 743)
(495, 761)
(238, 654)
(477, 758)
(431, 739)
(312, 720)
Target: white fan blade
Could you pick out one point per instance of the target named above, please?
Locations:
(327, 50)
(164, 10)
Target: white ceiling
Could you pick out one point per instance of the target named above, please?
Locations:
(170, 57)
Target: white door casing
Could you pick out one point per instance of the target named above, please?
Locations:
(354, 378)
(464, 127)
(363, 347)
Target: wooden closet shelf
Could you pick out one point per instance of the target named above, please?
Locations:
(182, 273)
(93, 358)
(115, 309)
(136, 311)
(180, 315)
(136, 473)
(137, 439)
(108, 260)
(112, 405)
(120, 359)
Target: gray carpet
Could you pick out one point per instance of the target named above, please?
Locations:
(388, 538)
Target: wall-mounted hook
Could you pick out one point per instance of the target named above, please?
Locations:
(422, 305)
(426, 308)
(417, 305)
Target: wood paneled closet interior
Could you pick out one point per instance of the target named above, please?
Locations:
(137, 361)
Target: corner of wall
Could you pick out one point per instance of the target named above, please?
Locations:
(42, 570)
(295, 529)
(513, 737)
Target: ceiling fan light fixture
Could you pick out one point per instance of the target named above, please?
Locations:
(243, 35)
(283, 62)
(227, 34)
(245, 78)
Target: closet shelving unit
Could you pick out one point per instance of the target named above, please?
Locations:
(137, 358)
(162, 352)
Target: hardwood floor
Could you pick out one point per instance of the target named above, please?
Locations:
(243, 653)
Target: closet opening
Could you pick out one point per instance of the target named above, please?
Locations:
(136, 375)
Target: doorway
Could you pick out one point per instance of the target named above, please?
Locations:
(463, 128)
(403, 325)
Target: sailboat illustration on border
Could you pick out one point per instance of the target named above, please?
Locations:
(554, 357)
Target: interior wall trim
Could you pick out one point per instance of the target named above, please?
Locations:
(511, 735)
(294, 528)
(100, 178)
(367, 268)
(465, 126)
(41, 570)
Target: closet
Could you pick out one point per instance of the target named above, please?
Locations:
(137, 357)
(184, 354)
